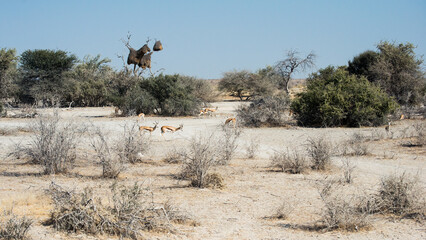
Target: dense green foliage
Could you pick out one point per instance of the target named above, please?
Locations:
(335, 98)
(169, 95)
(86, 85)
(361, 65)
(42, 78)
(397, 70)
(244, 84)
(175, 95)
(56, 78)
(8, 73)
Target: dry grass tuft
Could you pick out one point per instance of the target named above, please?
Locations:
(252, 148)
(320, 151)
(214, 180)
(53, 146)
(131, 144)
(418, 136)
(340, 211)
(131, 212)
(177, 216)
(356, 146)
(174, 156)
(200, 157)
(109, 157)
(13, 227)
(348, 167)
(228, 142)
(401, 195)
(283, 211)
(291, 163)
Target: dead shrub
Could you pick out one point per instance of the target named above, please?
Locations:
(361, 149)
(341, 212)
(418, 136)
(265, 111)
(291, 163)
(356, 146)
(348, 168)
(174, 156)
(401, 195)
(252, 148)
(212, 180)
(200, 157)
(320, 151)
(283, 211)
(228, 142)
(177, 216)
(327, 185)
(377, 134)
(131, 145)
(13, 227)
(131, 211)
(109, 157)
(53, 145)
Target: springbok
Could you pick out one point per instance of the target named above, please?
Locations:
(171, 129)
(150, 129)
(231, 119)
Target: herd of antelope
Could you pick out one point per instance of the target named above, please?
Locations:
(171, 129)
(210, 111)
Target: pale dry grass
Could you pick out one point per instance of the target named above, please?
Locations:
(36, 205)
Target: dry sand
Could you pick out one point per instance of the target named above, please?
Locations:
(252, 193)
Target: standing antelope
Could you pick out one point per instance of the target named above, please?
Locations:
(150, 129)
(171, 129)
(231, 119)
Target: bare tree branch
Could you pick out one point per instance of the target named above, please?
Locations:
(292, 64)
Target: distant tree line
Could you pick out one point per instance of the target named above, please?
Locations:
(363, 93)
(56, 78)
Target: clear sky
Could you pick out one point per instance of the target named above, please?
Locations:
(207, 38)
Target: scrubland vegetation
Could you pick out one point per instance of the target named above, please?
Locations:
(103, 176)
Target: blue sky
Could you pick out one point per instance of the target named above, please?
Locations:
(207, 38)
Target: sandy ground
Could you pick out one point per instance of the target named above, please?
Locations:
(252, 193)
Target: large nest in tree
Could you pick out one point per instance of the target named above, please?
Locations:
(135, 57)
(145, 62)
(143, 50)
(132, 58)
(158, 46)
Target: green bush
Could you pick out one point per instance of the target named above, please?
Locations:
(335, 98)
(175, 95)
(138, 100)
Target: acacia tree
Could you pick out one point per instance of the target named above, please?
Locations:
(8, 62)
(86, 84)
(42, 75)
(244, 84)
(292, 64)
(398, 71)
(235, 82)
(334, 97)
(361, 65)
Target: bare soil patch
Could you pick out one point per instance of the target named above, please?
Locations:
(252, 192)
